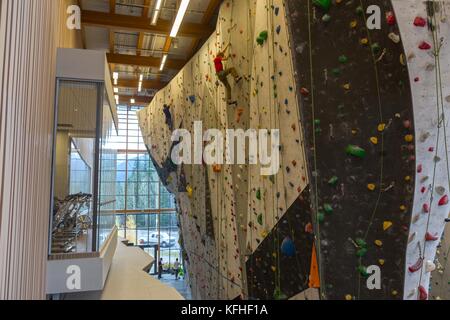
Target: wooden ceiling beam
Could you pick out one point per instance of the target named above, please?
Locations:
(146, 84)
(144, 61)
(142, 24)
(140, 100)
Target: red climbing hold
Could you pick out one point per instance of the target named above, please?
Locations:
(423, 294)
(419, 168)
(304, 92)
(430, 237)
(309, 228)
(426, 208)
(423, 189)
(424, 46)
(443, 201)
(417, 266)
(390, 18)
(420, 22)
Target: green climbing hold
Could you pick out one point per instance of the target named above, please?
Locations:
(363, 271)
(278, 295)
(321, 217)
(324, 4)
(361, 252)
(356, 151)
(328, 208)
(361, 243)
(333, 181)
(343, 59)
(336, 72)
(317, 122)
(263, 36)
(258, 194)
(360, 10)
(260, 219)
(376, 48)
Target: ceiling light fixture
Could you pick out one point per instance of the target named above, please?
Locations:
(132, 101)
(116, 90)
(163, 62)
(115, 77)
(157, 12)
(179, 19)
(117, 99)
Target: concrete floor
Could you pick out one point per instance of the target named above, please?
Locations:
(180, 285)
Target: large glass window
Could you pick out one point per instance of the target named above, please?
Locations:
(145, 209)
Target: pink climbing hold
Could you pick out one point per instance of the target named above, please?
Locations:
(420, 22)
(430, 237)
(426, 208)
(419, 168)
(424, 46)
(423, 294)
(443, 201)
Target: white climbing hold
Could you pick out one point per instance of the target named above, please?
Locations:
(430, 266)
(394, 37)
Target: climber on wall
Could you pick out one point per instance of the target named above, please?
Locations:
(169, 122)
(223, 73)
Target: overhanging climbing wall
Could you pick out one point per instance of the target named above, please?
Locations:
(244, 234)
(358, 118)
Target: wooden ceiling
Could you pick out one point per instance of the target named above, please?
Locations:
(135, 47)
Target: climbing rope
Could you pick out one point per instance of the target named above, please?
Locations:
(315, 162)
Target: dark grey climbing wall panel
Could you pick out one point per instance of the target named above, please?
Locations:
(355, 92)
(291, 240)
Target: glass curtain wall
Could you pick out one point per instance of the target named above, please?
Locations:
(145, 214)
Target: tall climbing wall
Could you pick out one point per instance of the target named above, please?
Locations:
(425, 30)
(244, 234)
(359, 131)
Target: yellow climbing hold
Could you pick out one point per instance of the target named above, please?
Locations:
(403, 208)
(364, 41)
(387, 225)
(381, 127)
(354, 132)
(378, 243)
(348, 297)
(264, 234)
(408, 178)
(347, 86)
(394, 292)
(190, 191)
(353, 24)
(374, 140)
(381, 262)
(409, 138)
(371, 186)
(274, 269)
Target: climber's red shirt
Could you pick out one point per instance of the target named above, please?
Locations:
(218, 64)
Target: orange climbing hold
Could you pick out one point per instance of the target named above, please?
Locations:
(314, 279)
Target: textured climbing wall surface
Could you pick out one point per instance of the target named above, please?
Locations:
(428, 52)
(228, 212)
(358, 118)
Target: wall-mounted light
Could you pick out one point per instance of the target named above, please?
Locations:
(116, 90)
(163, 62)
(115, 77)
(117, 98)
(179, 19)
(156, 12)
(132, 101)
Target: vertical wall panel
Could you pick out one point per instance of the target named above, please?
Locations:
(30, 32)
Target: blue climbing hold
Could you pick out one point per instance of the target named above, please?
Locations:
(192, 99)
(288, 247)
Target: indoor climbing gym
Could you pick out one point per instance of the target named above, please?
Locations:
(244, 152)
